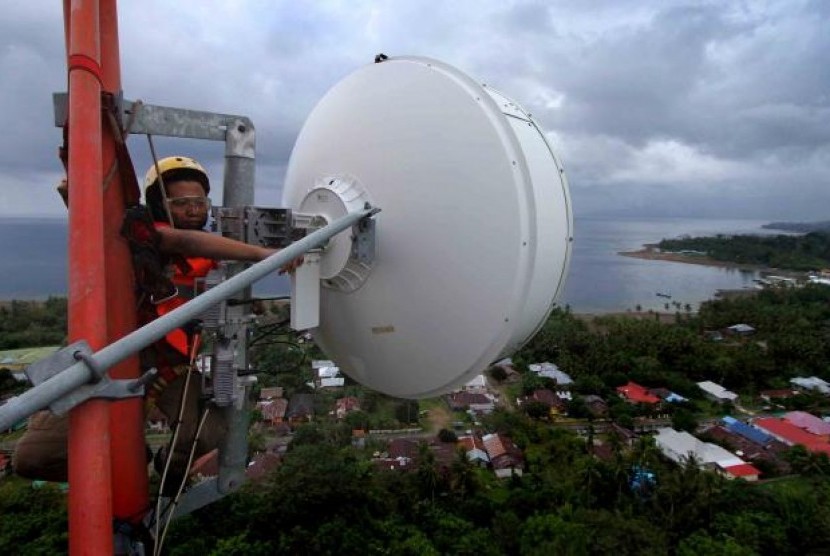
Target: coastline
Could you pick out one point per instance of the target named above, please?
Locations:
(650, 253)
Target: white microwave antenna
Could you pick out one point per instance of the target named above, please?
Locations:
(473, 242)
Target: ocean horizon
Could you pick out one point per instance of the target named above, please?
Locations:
(34, 263)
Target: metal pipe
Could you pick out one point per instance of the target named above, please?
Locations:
(130, 492)
(90, 498)
(78, 374)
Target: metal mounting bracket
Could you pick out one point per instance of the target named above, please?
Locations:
(100, 385)
(363, 244)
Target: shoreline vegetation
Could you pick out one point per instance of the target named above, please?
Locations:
(652, 252)
(795, 255)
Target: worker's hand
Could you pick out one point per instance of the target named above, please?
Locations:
(291, 266)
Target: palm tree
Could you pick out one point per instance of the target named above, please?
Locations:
(427, 473)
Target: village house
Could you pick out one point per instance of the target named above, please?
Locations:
(326, 375)
(477, 403)
(273, 411)
(478, 385)
(402, 454)
(300, 409)
(262, 465)
(791, 435)
(667, 395)
(809, 423)
(773, 396)
(624, 436)
(510, 372)
(812, 383)
(740, 329)
(344, 406)
(270, 393)
(505, 456)
(680, 447)
(716, 392)
(763, 448)
(556, 404)
(551, 371)
(596, 405)
(634, 393)
(474, 448)
(156, 420)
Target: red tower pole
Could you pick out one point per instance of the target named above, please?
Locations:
(129, 466)
(90, 500)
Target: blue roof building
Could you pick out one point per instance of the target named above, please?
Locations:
(742, 429)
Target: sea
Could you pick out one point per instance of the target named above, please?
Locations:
(33, 263)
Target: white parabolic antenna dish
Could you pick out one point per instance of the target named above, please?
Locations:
(473, 239)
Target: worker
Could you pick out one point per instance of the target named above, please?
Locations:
(179, 205)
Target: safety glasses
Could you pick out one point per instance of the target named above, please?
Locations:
(193, 202)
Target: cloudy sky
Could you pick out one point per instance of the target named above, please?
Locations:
(676, 108)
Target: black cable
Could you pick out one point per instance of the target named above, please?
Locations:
(233, 302)
(268, 330)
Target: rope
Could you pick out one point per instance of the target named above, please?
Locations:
(160, 179)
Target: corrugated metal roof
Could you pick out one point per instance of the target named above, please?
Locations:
(808, 422)
(742, 470)
(791, 434)
(748, 432)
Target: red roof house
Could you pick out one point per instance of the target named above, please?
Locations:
(634, 393)
(744, 471)
(273, 411)
(344, 406)
(262, 465)
(791, 435)
(503, 453)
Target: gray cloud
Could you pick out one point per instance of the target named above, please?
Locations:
(711, 107)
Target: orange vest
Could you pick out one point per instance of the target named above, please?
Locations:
(186, 283)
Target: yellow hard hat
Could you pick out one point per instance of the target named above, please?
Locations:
(176, 163)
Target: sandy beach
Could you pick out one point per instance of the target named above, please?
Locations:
(651, 253)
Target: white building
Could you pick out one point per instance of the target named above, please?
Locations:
(478, 384)
(681, 446)
(812, 383)
(549, 370)
(334, 382)
(716, 392)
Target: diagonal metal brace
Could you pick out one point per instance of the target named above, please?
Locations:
(99, 384)
(77, 374)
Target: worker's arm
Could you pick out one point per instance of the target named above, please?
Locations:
(194, 243)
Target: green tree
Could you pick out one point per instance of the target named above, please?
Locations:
(701, 543)
(684, 420)
(32, 520)
(547, 534)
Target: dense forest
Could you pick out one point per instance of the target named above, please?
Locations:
(32, 323)
(801, 227)
(328, 497)
(804, 253)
